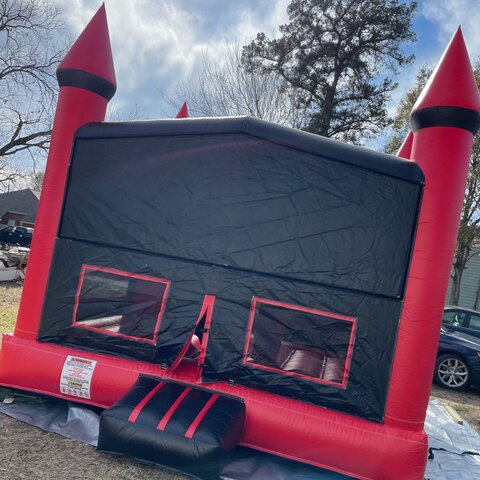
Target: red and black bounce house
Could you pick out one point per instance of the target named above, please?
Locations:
(223, 281)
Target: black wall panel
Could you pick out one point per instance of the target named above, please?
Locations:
(240, 209)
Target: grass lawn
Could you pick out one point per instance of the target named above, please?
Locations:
(9, 300)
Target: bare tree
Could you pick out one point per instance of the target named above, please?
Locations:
(35, 180)
(401, 120)
(118, 113)
(29, 54)
(225, 88)
(468, 233)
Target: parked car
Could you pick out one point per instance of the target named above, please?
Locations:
(461, 320)
(21, 236)
(458, 361)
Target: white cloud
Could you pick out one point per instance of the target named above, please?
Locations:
(157, 43)
(447, 15)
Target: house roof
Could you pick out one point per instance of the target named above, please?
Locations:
(24, 201)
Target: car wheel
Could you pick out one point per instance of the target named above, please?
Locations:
(452, 372)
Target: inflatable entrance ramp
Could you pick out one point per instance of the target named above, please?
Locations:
(185, 428)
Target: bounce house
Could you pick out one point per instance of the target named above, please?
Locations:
(226, 281)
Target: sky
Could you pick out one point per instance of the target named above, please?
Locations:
(158, 43)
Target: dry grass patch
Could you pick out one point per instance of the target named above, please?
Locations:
(9, 300)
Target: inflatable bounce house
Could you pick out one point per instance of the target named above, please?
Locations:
(226, 281)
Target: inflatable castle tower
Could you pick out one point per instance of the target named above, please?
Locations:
(227, 281)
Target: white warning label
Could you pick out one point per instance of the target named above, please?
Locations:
(77, 376)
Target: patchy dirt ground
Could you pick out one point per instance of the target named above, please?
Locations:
(28, 453)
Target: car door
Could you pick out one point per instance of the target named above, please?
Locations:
(473, 325)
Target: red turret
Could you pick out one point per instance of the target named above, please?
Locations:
(183, 112)
(91, 53)
(444, 120)
(452, 83)
(87, 82)
(406, 147)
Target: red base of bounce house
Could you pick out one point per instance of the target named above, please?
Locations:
(274, 424)
(309, 273)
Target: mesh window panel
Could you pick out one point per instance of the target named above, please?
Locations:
(120, 303)
(300, 342)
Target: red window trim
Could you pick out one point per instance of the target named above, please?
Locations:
(121, 273)
(346, 371)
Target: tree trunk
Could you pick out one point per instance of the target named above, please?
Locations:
(456, 284)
